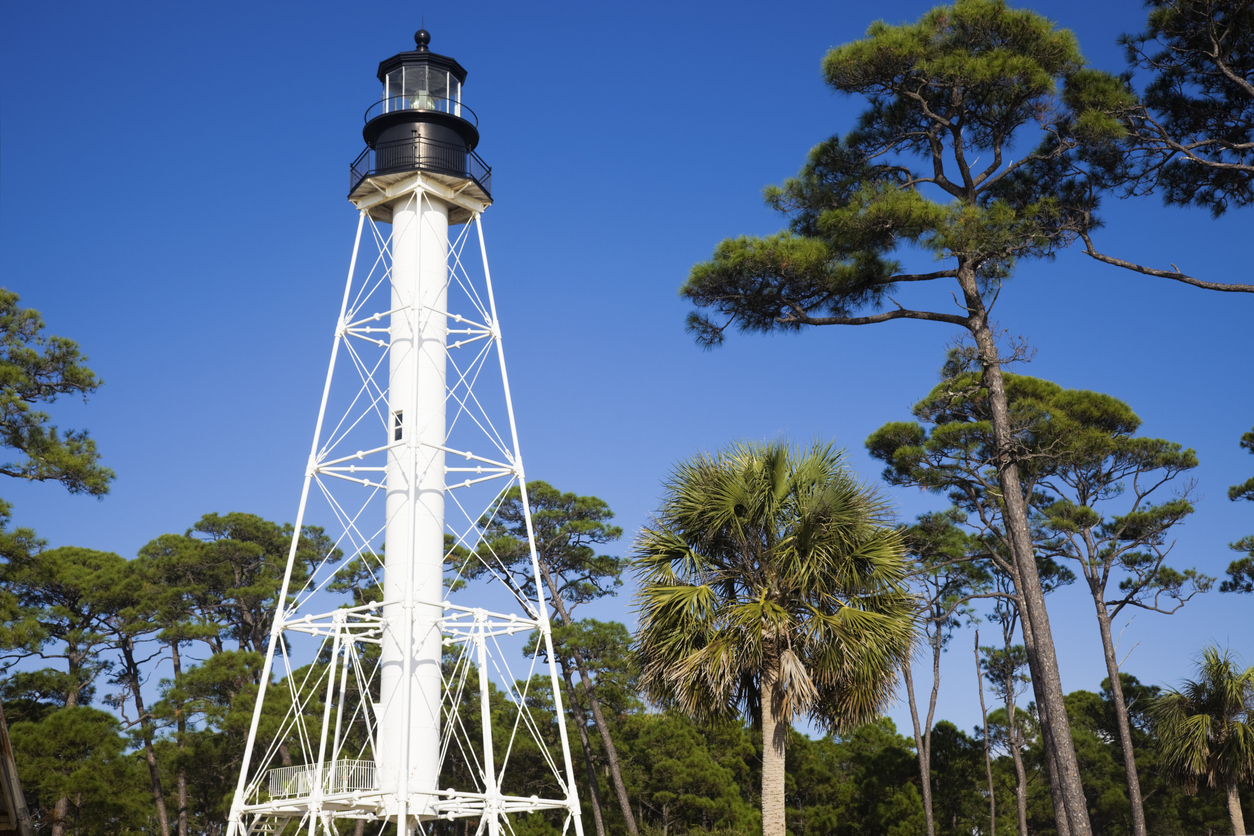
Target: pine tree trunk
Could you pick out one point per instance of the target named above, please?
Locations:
(1021, 778)
(611, 751)
(182, 794)
(923, 738)
(61, 807)
(1044, 661)
(988, 753)
(1012, 722)
(132, 674)
(774, 735)
(581, 723)
(1121, 717)
(925, 768)
(181, 727)
(1234, 807)
(1051, 768)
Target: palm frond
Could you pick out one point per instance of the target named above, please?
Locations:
(766, 558)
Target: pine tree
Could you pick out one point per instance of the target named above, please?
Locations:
(929, 166)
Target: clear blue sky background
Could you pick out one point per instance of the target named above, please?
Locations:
(172, 196)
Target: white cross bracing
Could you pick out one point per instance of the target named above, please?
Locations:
(309, 766)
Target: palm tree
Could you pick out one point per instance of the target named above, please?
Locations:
(772, 585)
(1206, 729)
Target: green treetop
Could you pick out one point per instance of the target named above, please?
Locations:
(1192, 136)
(567, 528)
(1241, 570)
(1094, 488)
(771, 585)
(34, 369)
(932, 165)
(1206, 729)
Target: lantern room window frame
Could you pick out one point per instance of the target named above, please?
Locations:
(404, 90)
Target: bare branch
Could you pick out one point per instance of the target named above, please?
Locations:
(1174, 275)
(902, 313)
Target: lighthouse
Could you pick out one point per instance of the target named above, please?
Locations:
(380, 653)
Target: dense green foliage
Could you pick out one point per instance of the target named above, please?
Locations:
(1241, 571)
(35, 369)
(1192, 134)
(772, 587)
(1207, 729)
(934, 164)
(683, 777)
(985, 140)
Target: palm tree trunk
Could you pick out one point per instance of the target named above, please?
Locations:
(1234, 807)
(774, 735)
(1121, 716)
(1043, 659)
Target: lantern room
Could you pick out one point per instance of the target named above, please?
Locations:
(420, 124)
(422, 80)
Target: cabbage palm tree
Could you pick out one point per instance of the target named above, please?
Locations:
(1206, 729)
(772, 585)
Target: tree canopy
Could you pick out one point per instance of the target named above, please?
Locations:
(36, 368)
(929, 166)
(771, 585)
(1207, 728)
(1241, 571)
(1192, 134)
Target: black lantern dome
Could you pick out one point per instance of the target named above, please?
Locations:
(420, 123)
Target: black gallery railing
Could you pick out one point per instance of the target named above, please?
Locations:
(422, 101)
(420, 154)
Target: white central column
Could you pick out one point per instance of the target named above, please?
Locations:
(409, 717)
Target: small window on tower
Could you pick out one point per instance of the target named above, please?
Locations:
(397, 425)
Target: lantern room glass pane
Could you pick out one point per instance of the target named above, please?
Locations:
(417, 90)
(437, 83)
(392, 89)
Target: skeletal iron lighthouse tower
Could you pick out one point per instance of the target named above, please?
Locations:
(375, 707)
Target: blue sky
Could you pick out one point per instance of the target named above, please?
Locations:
(172, 196)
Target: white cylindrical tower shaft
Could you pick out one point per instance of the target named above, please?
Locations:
(409, 711)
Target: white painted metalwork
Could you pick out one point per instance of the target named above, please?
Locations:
(367, 711)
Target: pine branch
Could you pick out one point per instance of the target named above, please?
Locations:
(1174, 275)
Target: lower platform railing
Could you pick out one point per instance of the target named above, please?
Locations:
(338, 777)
